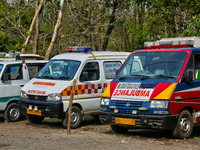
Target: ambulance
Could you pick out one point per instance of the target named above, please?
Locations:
(48, 94)
(164, 94)
(13, 76)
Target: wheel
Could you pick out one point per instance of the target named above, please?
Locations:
(184, 125)
(95, 116)
(12, 113)
(34, 119)
(119, 129)
(76, 118)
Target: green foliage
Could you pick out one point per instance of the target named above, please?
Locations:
(85, 23)
(194, 29)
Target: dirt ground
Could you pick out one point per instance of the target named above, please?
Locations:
(51, 135)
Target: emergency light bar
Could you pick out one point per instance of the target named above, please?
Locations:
(169, 44)
(78, 49)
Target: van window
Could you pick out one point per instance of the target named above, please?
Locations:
(194, 66)
(110, 69)
(14, 72)
(1, 66)
(34, 69)
(163, 64)
(92, 68)
(59, 70)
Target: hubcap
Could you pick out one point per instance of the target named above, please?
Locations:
(184, 125)
(14, 112)
(74, 117)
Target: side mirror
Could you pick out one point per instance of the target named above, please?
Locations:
(5, 77)
(188, 77)
(84, 76)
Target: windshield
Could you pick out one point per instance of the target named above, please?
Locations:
(1, 66)
(163, 64)
(59, 70)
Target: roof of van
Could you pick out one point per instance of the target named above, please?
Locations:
(20, 61)
(89, 55)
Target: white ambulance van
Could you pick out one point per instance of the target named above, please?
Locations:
(48, 94)
(13, 76)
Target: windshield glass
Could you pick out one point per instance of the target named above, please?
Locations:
(1, 66)
(163, 64)
(59, 70)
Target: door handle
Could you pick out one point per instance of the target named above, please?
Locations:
(99, 87)
(21, 85)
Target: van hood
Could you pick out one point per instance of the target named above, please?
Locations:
(43, 87)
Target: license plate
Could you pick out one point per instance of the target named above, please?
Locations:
(33, 112)
(125, 121)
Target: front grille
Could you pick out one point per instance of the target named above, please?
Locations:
(37, 97)
(127, 104)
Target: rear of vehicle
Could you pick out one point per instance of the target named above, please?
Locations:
(14, 75)
(163, 93)
(48, 94)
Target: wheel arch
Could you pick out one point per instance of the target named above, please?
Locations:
(192, 112)
(11, 101)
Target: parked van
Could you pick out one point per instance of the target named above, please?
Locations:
(48, 94)
(162, 94)
(14, 75)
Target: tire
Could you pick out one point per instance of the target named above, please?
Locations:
(12, 113)
(76, 118)
(34, 119)
(95, 116)
(119, 129)
(184, 125)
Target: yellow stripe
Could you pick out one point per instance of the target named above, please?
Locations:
(166, 94)
(107, 56)
(82, 98)
(106, 93)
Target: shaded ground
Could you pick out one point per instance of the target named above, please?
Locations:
(51, 135)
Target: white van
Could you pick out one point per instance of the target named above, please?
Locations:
(13, 76)
(48, 94)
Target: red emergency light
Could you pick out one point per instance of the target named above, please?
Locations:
(169, 46)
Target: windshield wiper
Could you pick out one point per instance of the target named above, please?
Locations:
(161, 75)
(47, 77)
(67, 78)
(123, 77)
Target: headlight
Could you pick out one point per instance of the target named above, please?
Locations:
(23, 95)
(159, 104)
(105, 101)
(54, 97)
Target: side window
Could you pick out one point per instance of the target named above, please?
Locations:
(110, 69)
(92, 70)
(14, 72)
(34, 69)
(194, 66)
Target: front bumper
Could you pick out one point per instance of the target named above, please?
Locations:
(48, 109)
(142, 121)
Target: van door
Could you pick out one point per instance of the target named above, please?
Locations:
(89, 88)
(188, 94)
(12, 81)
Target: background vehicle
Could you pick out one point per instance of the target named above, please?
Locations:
(163, 94)
(14, 75)
(48, 94)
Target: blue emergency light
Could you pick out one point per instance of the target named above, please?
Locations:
(79, 49)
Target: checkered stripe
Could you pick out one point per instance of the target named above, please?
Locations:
(84, 89)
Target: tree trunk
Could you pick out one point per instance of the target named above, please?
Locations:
(110, 26)
(55, 31)
(32, 25)
(37, 26)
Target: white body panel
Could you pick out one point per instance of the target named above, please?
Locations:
(88, 93)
